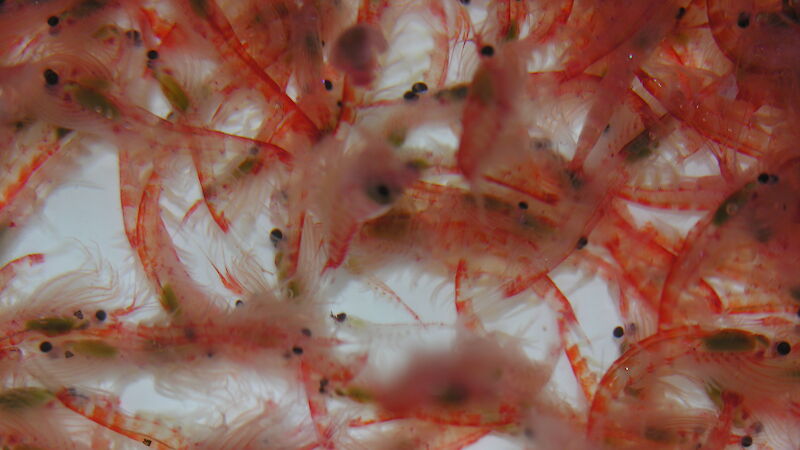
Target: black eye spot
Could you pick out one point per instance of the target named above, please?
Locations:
(297, 350)
(275, 236)
(747, 441)
(522, 205)
(419, 87)
(101, 315)
(582, 242)
(410, 95)
(744, 20)
(152, 54)
(50, 77)
(52, 21)
(380, 194)
(487, 50)
(328, 85)
(239, 303)
(341, 317)
(464, 2)
(681, 13)
(619, 332)
(45, 347)
(783, 348)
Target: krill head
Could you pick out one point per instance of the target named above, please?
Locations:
(385, 188)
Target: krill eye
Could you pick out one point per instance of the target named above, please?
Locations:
(50, 77)
(275, 236)
(744, 20)
(380, 194)
(419, 87)
(410, 95)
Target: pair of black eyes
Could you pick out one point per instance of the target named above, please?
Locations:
(767, 178)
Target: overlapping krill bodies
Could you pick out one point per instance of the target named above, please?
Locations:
(709, 387)
(31, 417)
(36, 409)
(231, 336)
(231, 169)
(482, 382)
(31, 320)
(621, 36)
(736, 94)
(68, 348)
(494, 128)
(55, 102)
(59, 94)
(356, 51)
(212, 83)
(555, 121)
(280, 34)
(91, 65)
(535, 22)
(742, 29)
(741, 257)
(338, 187)
(525, 209)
